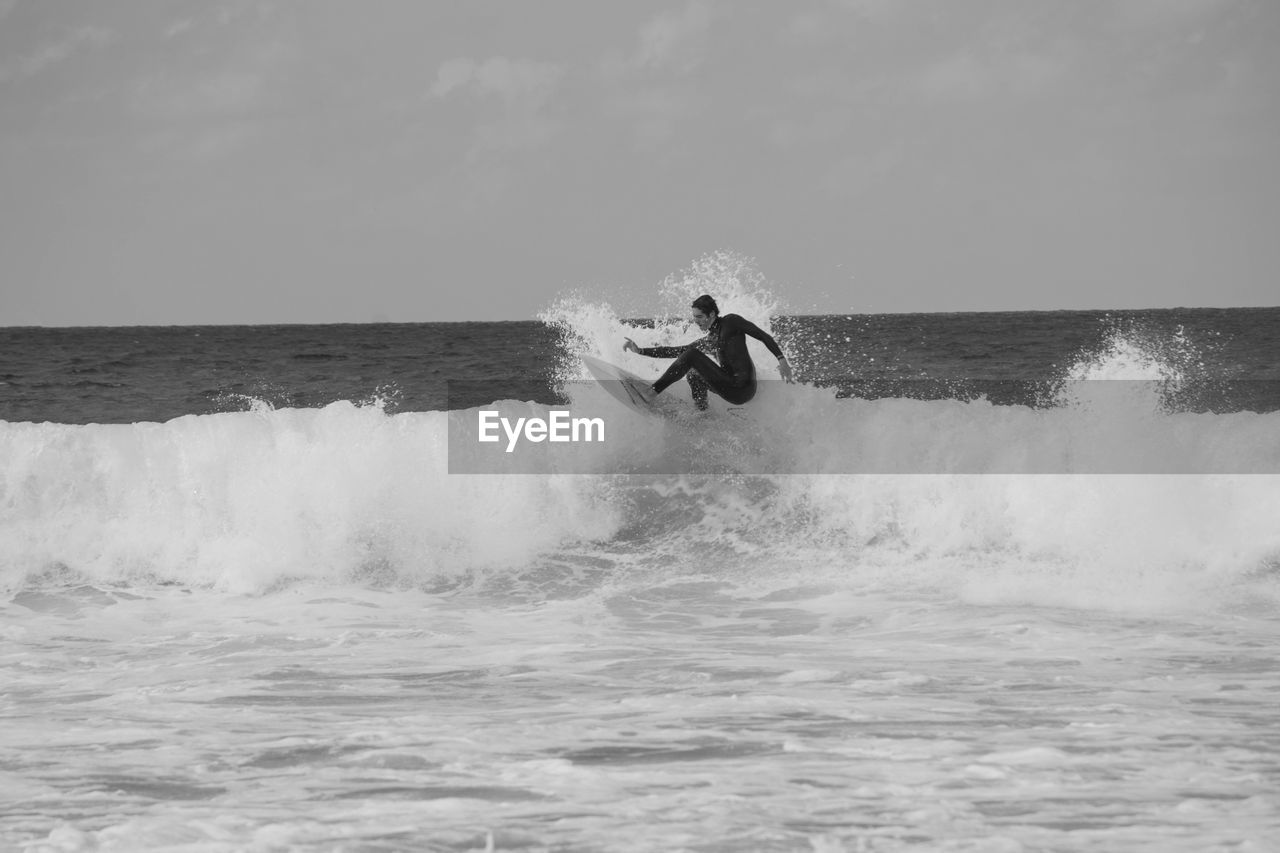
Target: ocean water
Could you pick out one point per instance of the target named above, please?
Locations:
(248, 603)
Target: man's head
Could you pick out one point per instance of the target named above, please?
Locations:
(705, 311)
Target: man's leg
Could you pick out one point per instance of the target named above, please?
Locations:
(692, 359)
(710, 376)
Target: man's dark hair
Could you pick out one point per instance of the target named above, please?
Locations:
(706, 304)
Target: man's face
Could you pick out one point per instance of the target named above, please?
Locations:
(702, 318)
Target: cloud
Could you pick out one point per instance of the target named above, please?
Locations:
(56, 52)
(179, 27)
(1145, 13)
(856, 174)
(228, 91)
(523, 86)
(222, 93)
(213, 142)
(512, 80)
(970, 76)
(521, 130)
(814, 127)
(245, 84)
(874, 9)
(452, 75)
(653, 105)
(210, 113)
(1135, 13)
(655, 114)
(663, 39)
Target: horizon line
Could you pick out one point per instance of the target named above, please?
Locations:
(388, 322)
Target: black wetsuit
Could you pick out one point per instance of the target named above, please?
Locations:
(734, 378)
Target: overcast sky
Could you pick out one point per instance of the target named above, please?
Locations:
(215, 161)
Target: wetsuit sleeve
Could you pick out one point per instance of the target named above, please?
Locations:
(663, 352)
(749, 328)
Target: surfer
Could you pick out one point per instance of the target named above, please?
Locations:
(734, 377)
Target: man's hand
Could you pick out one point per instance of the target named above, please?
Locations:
(630, 346)
(785, 370)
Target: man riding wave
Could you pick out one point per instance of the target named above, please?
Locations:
(734, 376)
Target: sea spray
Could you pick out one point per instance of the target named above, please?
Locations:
(250, 501)
(245, 501)
(733, 279)
(1143, 367)
(594, 328)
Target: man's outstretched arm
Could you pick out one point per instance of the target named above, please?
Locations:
(749, 328)
(656, 352)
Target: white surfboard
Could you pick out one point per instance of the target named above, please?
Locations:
(627, 388)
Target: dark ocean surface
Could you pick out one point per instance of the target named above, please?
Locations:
(1229, 358)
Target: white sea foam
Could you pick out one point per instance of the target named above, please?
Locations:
(246, 501)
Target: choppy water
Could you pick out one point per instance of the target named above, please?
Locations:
(709, 712)
(248, 607)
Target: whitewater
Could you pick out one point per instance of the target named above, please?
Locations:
(825, 623)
